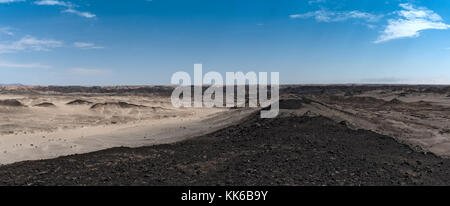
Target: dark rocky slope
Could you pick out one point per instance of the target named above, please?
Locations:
(282, 151)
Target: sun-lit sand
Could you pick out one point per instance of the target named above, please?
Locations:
(46, 126)
(37, 124)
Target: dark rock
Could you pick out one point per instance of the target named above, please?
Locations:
(11, 103)
(79, 102)
(45, 104)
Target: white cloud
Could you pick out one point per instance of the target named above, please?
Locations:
(9, 1)
(24, 66)
(69, 7)
(89, 71)
(410, 12)
(29, 43)
(87, 45)
(337, 16)
(52, 3)
(7, 31)
(410, 22)
(316, 1)
(79, 13)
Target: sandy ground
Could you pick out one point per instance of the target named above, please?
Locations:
(292, 150)
(418, 119)
(31, 132)
(324, 135)
(44, 125)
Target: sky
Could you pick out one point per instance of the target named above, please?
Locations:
(143, 42)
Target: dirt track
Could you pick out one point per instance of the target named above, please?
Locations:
(283, 151)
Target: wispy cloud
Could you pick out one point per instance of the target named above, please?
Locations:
(69, 7)
(337, 16)
(410, 21)
(53, 3)
(89, 71)
(9, 1)
(384, 80)
(29, 43)
(316, 1)
(79, 13)
(6, 30)
(24, 66)
(87, 45)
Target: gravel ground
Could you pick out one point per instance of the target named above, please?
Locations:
(282, 151)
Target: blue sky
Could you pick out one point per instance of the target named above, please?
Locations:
(136, 42)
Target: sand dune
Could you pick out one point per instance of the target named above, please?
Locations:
(11, 103)
(79, 102)
(83, 122)
(116, 105)
(44, 104)
(46, 126)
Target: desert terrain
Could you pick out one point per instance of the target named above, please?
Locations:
(324, 135)
(38, 124)
(418, 116)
